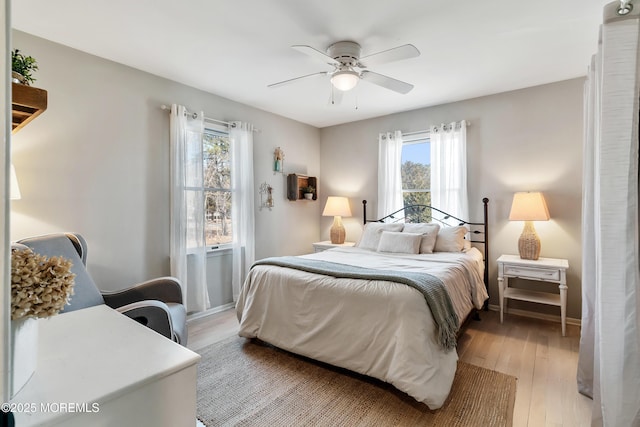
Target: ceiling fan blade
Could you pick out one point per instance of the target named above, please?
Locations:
(386, 82)
(396, 54)
(285, 82)
(316, 54)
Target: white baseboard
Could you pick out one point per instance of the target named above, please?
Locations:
(209, 312)
(535, 315)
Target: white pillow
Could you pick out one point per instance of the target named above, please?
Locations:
(399, 243)
(450, 239)
(371, 235)
(429, 231)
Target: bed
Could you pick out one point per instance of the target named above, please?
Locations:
(367, 309)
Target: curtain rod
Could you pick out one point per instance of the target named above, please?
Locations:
(209, 119)
(418, 132)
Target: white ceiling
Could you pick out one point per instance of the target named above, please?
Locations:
(235, 48)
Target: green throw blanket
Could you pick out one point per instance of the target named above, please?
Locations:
(430, 286)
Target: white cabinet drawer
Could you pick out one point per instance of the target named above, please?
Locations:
(532, 273)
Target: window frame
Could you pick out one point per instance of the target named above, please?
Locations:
(218, 130)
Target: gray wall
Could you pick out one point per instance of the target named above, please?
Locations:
(529, 139)
(97, 162)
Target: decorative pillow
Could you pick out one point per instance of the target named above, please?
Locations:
(372, 232)
(399, 243)
(450, 239)
(429, 231)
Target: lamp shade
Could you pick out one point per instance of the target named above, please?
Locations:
(337, 206)
(529, 206)
(14, 190)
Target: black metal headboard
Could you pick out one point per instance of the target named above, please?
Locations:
(423, 213)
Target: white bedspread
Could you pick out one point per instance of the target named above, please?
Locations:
(377, 328)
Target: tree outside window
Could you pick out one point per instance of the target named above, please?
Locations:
(217, 187)
(416, 173)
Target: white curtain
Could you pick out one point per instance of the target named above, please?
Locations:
(589, 215)
(609, 360)
(187, 240)
(449, 169)
(389, 173)
(242, 209)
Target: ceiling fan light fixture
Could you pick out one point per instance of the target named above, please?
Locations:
(345, 79)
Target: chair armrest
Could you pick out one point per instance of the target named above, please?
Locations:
(165, 289)
(152, 314)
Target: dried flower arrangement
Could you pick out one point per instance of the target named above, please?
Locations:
(40, 286)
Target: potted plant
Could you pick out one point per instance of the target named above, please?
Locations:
(22, 66)
(308, 192)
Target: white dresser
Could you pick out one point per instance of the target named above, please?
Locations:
(97, 367)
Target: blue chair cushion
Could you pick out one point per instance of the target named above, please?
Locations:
(86, 293)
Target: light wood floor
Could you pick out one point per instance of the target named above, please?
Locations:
(532, 350)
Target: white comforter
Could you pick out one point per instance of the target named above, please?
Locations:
(377, 328)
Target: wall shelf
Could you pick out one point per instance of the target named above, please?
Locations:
(297, 181)
(27, 104)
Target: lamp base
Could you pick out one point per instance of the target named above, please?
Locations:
(337, 232)
(529, 242)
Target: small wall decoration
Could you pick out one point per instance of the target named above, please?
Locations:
(278, 160)
(266, 196)
(299, 185)
(308, 192)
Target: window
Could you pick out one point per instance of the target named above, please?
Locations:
(217, 186)
(416, 171)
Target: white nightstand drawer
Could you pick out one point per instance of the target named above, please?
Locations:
(323, 246)
(533, 273)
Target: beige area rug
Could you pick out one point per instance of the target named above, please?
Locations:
(243, 382)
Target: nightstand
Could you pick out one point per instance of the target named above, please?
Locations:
(542, 270)
(323, 246)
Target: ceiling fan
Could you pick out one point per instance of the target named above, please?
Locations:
(349, 67)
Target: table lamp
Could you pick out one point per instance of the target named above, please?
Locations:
(529, 207)
(337, 207)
